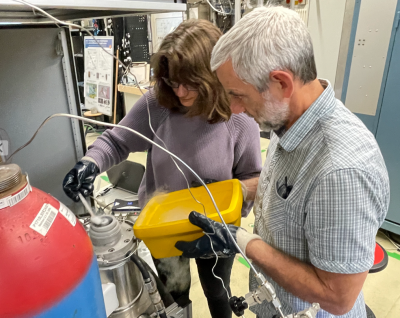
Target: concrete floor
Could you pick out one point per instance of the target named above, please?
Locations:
(381, 290)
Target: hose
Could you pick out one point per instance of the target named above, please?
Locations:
(166, 297)
(139, 263)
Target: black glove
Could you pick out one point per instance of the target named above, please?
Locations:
(221, 240)
(81, 179)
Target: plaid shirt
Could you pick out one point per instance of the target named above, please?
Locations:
(339, 199)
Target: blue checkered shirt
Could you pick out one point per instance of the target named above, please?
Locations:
(339, 199)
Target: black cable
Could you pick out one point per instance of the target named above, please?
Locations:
(163, 315)
(166, 296)
(107, 206)
(139, 263)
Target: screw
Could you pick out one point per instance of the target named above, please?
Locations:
(129, 229)
(127, 241)
(111, 250)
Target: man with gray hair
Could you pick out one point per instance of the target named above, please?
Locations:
(324, 190)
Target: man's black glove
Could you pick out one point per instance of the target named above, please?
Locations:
(81, 179)
(221, 240)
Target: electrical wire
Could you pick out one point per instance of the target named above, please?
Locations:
(105, 207)
(261, 277)
(216, 10)
(127, 70)
(190, 191)
(176, 164)
(158, 146)
(230, 5)
(216, 262)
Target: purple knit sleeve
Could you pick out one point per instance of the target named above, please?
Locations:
(247, 157)
(247, 154)
(115, 144)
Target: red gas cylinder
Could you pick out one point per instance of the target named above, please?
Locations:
(47, 267)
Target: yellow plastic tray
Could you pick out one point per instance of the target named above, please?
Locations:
(164, 220)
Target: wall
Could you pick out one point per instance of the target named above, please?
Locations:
(325, 23)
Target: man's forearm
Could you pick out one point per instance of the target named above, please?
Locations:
(251, 185)
(299, 278)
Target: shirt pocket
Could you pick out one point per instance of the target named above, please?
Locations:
(275, 214)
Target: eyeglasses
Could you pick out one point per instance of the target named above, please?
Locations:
(175, 85)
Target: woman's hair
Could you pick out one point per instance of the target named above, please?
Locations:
(184, 57)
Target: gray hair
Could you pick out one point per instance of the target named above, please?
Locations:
(267, 39)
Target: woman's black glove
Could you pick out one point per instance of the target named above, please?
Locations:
(81, 179)
(221, 241)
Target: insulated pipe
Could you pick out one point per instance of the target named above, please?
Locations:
(138, 262)
(165, 295)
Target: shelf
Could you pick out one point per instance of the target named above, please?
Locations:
(130, 89)
(14, 12)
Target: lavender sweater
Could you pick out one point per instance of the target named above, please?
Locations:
(219, 151)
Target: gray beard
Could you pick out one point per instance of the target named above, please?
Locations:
(280, 119)
(268, 127)
(279, 130)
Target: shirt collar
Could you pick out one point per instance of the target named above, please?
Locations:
(324, 104)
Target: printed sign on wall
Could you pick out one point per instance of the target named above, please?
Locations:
(99, 70)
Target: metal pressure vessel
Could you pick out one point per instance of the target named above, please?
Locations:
(47, 268)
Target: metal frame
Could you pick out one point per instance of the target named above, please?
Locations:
(73, 99)
(14, 12)
(388, 224)
(346, 57)
(391, 227)
(343, 67)
(343, 73)
(238, 10)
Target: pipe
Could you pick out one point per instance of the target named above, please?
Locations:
(166, 297)
(139, 263)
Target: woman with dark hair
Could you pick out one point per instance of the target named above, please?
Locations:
(189, 110)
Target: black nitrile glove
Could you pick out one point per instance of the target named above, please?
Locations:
(221, 240)
(81, 179)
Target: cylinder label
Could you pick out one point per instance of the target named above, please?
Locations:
(18, 197)
(69, 215)
(45, 218)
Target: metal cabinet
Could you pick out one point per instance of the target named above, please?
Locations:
(37, 80)
(371, 82)
(35, 83)
(388, 133)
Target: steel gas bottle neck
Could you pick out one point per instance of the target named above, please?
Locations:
(12, 182)
(10, 177)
